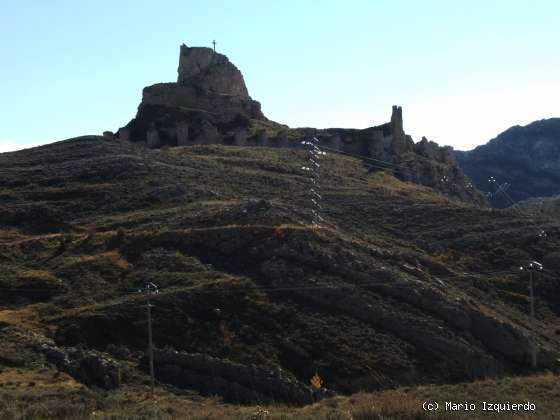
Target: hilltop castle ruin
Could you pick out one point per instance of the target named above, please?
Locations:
(210, 104)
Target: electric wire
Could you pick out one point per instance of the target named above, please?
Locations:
(302, 287)
(394, 167)
(519, 211)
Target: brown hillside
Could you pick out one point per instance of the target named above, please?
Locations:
(401, 286)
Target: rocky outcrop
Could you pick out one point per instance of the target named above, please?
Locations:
(210, 71)
(424, 163)
(208, 104)
(485, 344)
(90, 367)
(246, 384)
(528, 158)
(215, 107)
(433, 151)
(469, 340)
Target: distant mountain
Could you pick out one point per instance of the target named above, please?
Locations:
(527, 158)
(547, 206)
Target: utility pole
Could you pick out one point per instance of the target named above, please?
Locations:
(531, 267)
(149, 289)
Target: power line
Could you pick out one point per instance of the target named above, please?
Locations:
(395, 167)
(369, 158)
(384, 164)
(16, 289)
(345, 286)
(502, 189)
(313, 167)
(546, 273)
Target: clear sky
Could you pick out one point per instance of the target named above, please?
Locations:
(463, 70)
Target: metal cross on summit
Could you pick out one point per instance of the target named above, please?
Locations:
(214, 43)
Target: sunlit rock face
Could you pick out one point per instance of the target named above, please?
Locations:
(210, 71)
(208, 104)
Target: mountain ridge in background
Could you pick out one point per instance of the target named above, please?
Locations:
(526, 157)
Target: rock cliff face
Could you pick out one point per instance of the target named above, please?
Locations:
(210, 71)
(210, 104)
(526, 157)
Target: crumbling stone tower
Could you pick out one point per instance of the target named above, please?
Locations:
(399, 141)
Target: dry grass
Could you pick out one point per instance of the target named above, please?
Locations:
(62, 398)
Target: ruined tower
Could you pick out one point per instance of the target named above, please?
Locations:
(398, 141)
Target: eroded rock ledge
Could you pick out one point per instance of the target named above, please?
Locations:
(235, 382)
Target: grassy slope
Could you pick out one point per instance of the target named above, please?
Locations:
(101, 217)
(45, 394)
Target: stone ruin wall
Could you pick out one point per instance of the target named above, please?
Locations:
(380, 142)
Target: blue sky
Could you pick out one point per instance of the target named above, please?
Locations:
(463, 71)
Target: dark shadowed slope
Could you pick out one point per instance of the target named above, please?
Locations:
(526, 157)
